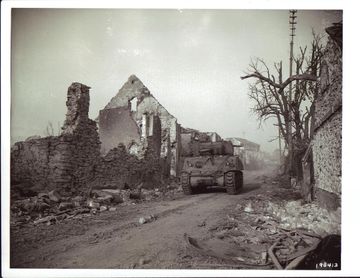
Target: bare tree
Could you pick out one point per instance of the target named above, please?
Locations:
(293, 111)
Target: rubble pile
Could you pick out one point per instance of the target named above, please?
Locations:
(294, 214)
(277, 228)
(311, 217)
(271, 229)
(168, 192)
(258, 240)
(52, 207)
(286, 207)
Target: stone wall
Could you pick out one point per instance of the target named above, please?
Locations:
(117, 125)
(170, 133)
(65, 162)
(186, 139)
(120, 168)
(328, 124)
(132, 88)
(124, 132)
(30, 162)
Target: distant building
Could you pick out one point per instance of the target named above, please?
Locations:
(249, 152)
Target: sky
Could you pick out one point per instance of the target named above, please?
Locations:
(191, 61)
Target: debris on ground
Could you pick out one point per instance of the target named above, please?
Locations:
(202, 224)
(54, 196)
(45, 207)
(147, 219)
(248, 208)
(291, 250)
(103, 208)
(306, 216)
(278, 220)
(242, 256)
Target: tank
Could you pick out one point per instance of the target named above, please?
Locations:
(212, 164)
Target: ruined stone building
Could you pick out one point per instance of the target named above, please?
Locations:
(136, 141)
(72, 161)
(131, 117)
(328, 123)
(65, 162)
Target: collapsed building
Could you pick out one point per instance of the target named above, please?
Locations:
(134, 140)
(132, 116)
(76, 159)
(326, 143)
(65, 162)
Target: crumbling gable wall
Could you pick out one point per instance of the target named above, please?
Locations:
(65, 162)
(328, 124)
(125, 132)
(132, 88)
(117, 125)
(170, 134)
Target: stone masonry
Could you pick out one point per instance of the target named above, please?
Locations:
(117, 125)
(123, 119)
(65, 162)
(137, 163)
(328, 124)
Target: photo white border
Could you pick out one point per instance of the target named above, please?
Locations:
(350, 195)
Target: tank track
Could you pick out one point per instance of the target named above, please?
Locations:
(233, 182)
(185, 183)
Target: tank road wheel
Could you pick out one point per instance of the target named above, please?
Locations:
(232, 182)
(185, 183)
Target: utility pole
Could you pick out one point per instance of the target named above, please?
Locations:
(292, 18)
(292, 21)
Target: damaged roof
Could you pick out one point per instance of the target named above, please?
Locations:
(132, 88)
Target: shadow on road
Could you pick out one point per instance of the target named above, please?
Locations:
(210, 190)
(250, 187)
(247, 188)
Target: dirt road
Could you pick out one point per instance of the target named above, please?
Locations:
(117, 240)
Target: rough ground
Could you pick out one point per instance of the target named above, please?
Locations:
(116, 239)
